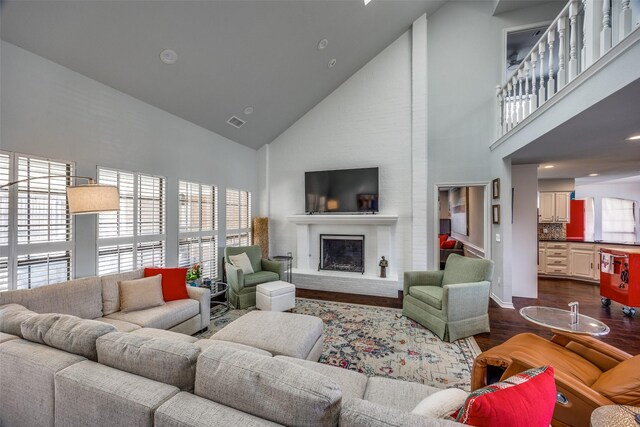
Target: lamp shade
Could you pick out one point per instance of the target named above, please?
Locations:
(92, 198)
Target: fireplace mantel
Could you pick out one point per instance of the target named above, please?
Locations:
(380, 232)
(372, 219)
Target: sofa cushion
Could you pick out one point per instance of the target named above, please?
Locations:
(461, 269)
(161, 333)
(79, 297)
(353, 384)
(91, 394)
(11, 318)
(264, 276)
(141, 293)
(65, 332)
(242, 262)
(168, 361)
(622, 383)
(397, 394)
(174, 282)
(283, 334)
(26, 382)
(185, 409)
(111, 289)
(431, 295)
(120, 325)
(448, 244)
(4, 337)
(165, 316)
(441, 404)
(526, 399)
(254, 253)
(267, 387)
(361, 413)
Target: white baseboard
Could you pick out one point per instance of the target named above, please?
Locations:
(502, 303)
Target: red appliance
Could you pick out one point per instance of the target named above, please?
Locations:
(575, 227)
(620, 278)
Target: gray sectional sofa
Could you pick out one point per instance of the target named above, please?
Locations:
(99, 298)
(60, 370)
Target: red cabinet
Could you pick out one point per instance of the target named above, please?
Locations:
(620, 277)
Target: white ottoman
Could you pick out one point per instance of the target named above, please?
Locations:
(276, 296)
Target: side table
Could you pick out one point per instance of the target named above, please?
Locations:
(288, 260)
(615, 416)
(217, 289)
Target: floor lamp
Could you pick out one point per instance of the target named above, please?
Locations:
(89, 198)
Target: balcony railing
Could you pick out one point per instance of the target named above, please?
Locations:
(580, 34)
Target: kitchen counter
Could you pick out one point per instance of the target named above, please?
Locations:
(594, 242)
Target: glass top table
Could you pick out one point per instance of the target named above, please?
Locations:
(561, 320)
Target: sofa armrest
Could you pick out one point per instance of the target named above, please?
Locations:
(274, 266)
(422, 278)
(363, 413)
(203, 296)
(235, 277)
(465, 300)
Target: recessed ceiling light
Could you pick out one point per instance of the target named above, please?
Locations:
(248, 110)
(332, 63)
(366, 2)
(168, 56)
(594, 174)
(323, 44)
(634, 138)
(548, 166)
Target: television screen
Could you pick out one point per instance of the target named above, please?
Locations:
(344, 191)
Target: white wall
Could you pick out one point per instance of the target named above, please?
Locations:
(525, 230)
(619, 191)
(557, 185)
(366, 122)
(51, 111)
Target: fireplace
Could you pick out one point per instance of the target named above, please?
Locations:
(342, 253)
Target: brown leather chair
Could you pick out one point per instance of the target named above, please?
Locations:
(588, 372)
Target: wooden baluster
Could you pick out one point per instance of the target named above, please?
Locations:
(625, 19)
(522, 95)
(573, 39)
(605, 34)
(534, 86)
(562, 73)
(510, 106)
(583, 51)
(516, 99)
(505, 106)
(551, 83)
(542, 93)
(527, 93)
(499, 99)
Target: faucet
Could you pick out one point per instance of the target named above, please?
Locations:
(574, 312)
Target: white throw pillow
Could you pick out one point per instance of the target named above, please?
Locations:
(441, 404)
(242, 262)
(141, 293)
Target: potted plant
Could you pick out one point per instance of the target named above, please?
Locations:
(194, 275)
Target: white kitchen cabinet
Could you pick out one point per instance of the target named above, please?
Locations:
(542, 260)
(582, 263)
(554, 207)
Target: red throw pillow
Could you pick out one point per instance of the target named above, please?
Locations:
(449, 244)
(174, 282)
(443, 238)
(523, 400)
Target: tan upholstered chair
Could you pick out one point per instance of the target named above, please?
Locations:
(588, 372)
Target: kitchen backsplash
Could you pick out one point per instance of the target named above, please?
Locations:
(552, 231)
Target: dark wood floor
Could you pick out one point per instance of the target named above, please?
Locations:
(505, 323)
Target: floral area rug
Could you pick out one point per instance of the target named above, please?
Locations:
(380, 341)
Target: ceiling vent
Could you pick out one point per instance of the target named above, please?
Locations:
(236, 122)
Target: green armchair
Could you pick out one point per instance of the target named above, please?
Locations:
(453, 303)
(242, 287)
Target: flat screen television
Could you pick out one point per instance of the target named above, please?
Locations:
(342, 191)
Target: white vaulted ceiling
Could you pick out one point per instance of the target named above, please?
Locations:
(231, 54)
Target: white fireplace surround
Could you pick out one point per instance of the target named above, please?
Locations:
(379, 231)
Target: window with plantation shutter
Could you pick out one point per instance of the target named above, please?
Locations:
(134, 236)
(198, 227)
(238, 217)
(36, 229)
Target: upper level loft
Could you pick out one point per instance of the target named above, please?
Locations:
(590, 50)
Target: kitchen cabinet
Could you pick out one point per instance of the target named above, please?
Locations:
(555, 206)
(556, 259)
(582, 263)
(542, 260)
